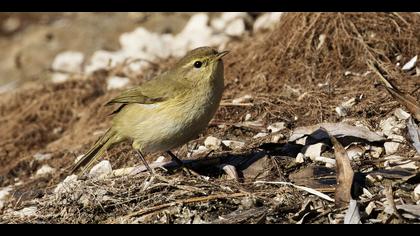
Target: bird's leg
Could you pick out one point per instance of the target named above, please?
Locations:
(145, 162)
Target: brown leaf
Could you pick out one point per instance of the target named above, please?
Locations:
(404, 99)
(344, 173)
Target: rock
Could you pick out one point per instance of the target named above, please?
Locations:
(11, 24)
(248, 117)
(212, 143)
(355, 152)
(68, 184)
(416, 192)
(4, 195)
(276, 138)
(410, 64)
(25, 212)
(300, 158)
(391, 126)
(376, 152)
(116, 82)
(230, 170)
(200, 150)
(44, 170)
(401, 114)
(235, 28)
(101, 170)
(314, 151)
(68, 62)
(260, 135)
(267, 21)
(233, 145)
(321, 39)
(276, 127)
(218, 24)
(243, 99)
(159, 159)
(230, 16)
(392, 147)
(42, 156)
(59, 77)
(344, 107)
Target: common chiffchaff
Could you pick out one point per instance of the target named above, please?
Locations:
(167, 111)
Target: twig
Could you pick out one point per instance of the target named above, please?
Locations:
(185, 201)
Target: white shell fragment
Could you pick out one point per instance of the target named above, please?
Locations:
(101, 170)
(410, 64)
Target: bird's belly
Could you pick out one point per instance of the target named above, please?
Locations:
(157, 129)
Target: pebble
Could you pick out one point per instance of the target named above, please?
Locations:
(417, 192)
(267, 21)
(44, 170)
(392, 147)
(276, 127)
(27, 211)
(401, 114)
(260, 135)
(300, 158)
(233, 145)
(235, 28)
(101, 170)
(314, 151)
(410, 64)
(67, 185)
(4, 195)
(42, 156)
(69, 61)
(212, 143)
(116, 82)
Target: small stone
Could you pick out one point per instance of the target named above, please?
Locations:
(4, 195)
(248, 117)
(160, 159)
(235, 28)
(101, 170)
(260, 135)
(392, 147)
(417, 193)
(11, 24)
(276, 127)
(267, 21)
(355, 152)
(314, 151)
(410, 64)
(67, 185)
(59, 77)
(300, 158)
(200, 150)
(44, 170)
(212, 143)
(42, 156)
(276, 138)
(68, 62)
(116, 82)
(233, 145)
(376, 152)
(344, 107)
(25, 212)
(401, 114)
(243, 99)
(230, 170)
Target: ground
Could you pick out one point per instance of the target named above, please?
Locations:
(295, 74)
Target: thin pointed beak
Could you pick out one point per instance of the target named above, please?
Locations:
(221, 54)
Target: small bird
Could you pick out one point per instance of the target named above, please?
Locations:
(167, 111)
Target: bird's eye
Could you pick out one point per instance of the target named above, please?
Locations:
(198, 64)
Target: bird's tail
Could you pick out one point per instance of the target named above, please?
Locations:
(103, 143)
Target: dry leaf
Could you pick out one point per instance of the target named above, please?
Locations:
(345, 132)
(344, 173)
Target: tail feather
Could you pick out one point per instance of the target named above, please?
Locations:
(95, 152)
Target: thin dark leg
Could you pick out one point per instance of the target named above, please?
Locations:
(175, 158)
(145, 162)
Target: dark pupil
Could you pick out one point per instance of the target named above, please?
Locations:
(197, 64)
